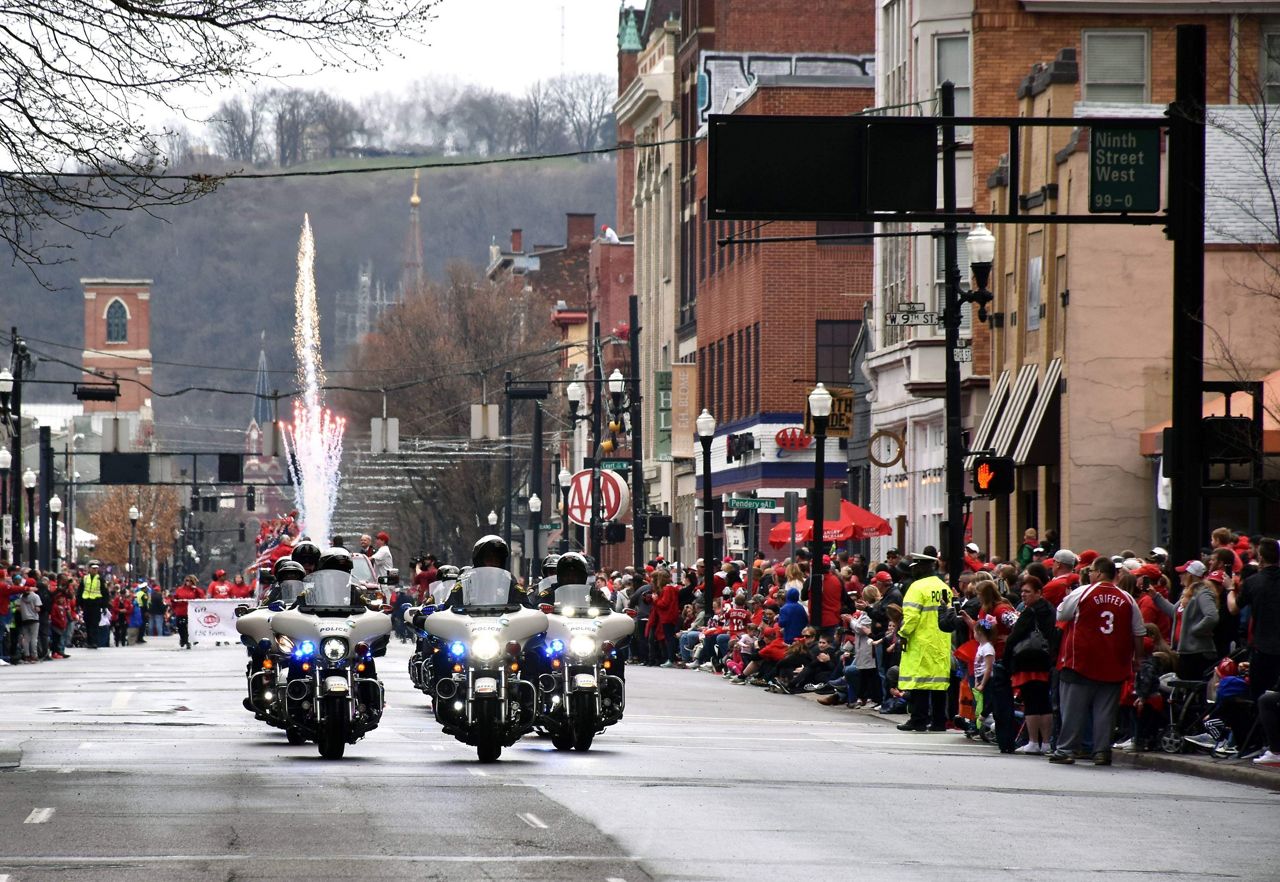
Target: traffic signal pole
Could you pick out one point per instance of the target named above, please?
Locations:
(951, 322)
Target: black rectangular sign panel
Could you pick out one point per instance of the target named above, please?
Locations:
(124, 468)
(819, 167)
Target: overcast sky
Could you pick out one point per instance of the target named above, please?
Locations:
(503, 44)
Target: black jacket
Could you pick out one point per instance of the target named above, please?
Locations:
(1039, 615)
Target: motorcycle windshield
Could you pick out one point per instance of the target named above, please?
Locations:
(572, 595)
(327, 588)
(290, 589)
(486, 586)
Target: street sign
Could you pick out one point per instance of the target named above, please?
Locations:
(963, 354)
(1124, 170)
(616, 465)
(910, 306)
(748, 503)
(546, 528)
(900, 319)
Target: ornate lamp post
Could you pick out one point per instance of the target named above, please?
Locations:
(493, 518)
(535, 522)
(55, 509)
(134, 514)
(29, 482)
(706, 434)
(819, 412)
(564, 479)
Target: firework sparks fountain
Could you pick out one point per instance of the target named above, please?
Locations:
(314, 439)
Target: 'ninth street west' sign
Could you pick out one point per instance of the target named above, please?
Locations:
(1124, 170)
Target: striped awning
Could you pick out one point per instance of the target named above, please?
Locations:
(1044, 397)
(980, 438)
(1011, 419)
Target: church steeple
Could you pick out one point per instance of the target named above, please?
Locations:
(262, 391)
(411, 271)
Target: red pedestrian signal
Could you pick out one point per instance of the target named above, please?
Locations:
(993, 476)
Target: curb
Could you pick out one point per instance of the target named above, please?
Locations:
(10, 754)
(1231, 771)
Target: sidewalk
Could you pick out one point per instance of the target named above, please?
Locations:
(1234, 771)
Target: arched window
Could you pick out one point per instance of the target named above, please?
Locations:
(117, 323)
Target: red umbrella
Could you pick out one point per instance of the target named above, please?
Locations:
(854, 523)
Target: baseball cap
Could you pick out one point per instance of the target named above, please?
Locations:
(1132, 564)
(1150, 570)
(972, 546)
(1088, 556)
(1066, 557)
(1158, 555)
(1217, 576)
(1194, 567)
(882, 576)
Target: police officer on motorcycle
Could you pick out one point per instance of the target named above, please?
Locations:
(489, 551)
(307, 553)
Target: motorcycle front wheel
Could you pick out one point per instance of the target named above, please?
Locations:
(562, 741)
(584, 722)
(489, 738)
(333, 734)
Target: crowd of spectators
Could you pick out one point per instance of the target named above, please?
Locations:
(1048, 653)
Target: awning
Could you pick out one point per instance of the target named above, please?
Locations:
(854, 523)
(84, 539)
(988, 424)
(1044, 397)
(1011, 419)
(1151, 440)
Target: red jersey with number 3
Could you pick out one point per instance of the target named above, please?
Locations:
(1098, 643)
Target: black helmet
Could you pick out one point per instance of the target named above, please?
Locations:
(287, 570)
(487, 547)
(336, 558)
(549, 564)
(572, 569)
(307, 553)
(447, 573)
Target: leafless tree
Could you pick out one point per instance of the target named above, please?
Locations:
(487, 118)
(337, 123)
(237, 127)
(77, 74)
(541, 128)
(585, 102)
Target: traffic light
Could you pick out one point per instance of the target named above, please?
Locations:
(241, 531)
(250, 500)
(993, 476)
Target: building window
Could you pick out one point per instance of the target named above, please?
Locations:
(951, 62)
(1271, 68)
(940, 279)
(117, 323)
(835, 342)
(855, 233)
(664, 224)
(1116, 66)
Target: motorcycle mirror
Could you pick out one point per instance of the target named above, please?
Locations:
(241, 610)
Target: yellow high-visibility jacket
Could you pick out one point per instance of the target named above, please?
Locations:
(926, 661)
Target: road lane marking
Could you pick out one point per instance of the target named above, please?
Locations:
(122, 699)
(65, 770)
(479, 773)
(85, 745)
(532, 820)
(607, 879)
(62, 861)
(39, 816)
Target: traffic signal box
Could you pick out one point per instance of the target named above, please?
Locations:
(993, 476)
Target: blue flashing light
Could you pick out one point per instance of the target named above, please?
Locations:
(305, 649)
(457, 648)
(555, 647)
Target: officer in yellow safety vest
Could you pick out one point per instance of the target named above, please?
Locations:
(925, 671)
(91, 600)
(142, 603)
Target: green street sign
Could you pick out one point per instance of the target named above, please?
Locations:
(615, 465)
(546, 528)
(1124, 170)
(736, 502)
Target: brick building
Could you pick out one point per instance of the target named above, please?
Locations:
(765, 321)
(117, 342)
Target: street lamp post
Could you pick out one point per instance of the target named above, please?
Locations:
(493, 518)
(706, 424)
(564, 479)
(29, 482)
(535, 522)
(55, 509)
(576, 392)
(134, 514)
(819, 412)
(6, 460)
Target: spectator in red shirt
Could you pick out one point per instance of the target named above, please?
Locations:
(1064, 579)
(1223, 538)
(188, 590)
(1151, 580)
(219, 588)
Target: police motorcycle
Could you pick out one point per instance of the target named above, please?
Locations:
(481, 698)
(267, 668)
(422, 666)
(331, 636)
(577, 668)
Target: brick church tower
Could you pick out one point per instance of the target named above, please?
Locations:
(117, 340)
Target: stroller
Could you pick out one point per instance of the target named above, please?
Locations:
(1186, 705)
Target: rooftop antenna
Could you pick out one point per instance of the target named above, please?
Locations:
(562, 39)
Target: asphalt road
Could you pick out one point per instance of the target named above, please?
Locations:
(140, 763)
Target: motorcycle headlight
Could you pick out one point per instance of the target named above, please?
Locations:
(485, 646)
(285, 644)
(334, 648)
(592, 612)
(582, 645)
